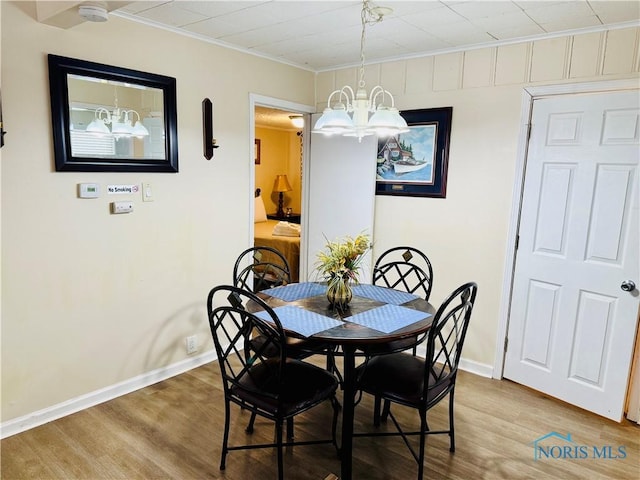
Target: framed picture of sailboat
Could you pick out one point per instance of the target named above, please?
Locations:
(415, 163)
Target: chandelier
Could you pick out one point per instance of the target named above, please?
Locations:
(358, 114)
(122, 125)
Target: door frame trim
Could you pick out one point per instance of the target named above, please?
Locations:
(257, 100)
(529, 94)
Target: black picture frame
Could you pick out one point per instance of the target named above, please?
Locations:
(165, 159)
(399, 172)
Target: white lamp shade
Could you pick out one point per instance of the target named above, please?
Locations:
(334, 120)
(387, 121)
(140, 130)
(97, 126)
(118, 128)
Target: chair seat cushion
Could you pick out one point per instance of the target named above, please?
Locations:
(390, 347)
(296, 347)
(305, 386)
(398, 377)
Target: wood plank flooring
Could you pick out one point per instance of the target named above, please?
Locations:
(173, 430)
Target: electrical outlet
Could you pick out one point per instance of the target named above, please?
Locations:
(192, 344)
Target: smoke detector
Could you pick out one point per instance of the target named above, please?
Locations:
(93, 13)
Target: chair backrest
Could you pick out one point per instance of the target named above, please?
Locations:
(445, 339)
(259, 268)
(246, 365)
(404, 268)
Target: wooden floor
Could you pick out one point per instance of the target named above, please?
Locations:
(173, 430)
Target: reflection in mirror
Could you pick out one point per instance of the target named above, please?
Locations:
(111, 119)
(108, 118)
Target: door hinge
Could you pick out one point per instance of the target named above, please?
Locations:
(506, 343)
(517, 241)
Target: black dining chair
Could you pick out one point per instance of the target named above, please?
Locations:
(274, 386)
(261, 268)
(421, 383)
(407, 269)
(404, 268)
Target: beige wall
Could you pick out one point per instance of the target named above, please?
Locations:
(91, 299)
(465, 235)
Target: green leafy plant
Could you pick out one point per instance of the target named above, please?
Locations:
(340, 260)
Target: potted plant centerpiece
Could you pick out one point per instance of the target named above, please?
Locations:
(339, 264)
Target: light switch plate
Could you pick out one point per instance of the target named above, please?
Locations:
(147, 192)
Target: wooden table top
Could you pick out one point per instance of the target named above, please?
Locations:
(354, 333)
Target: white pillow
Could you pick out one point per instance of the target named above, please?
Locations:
(259, 210)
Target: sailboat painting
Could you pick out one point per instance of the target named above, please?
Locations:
(415, 163)
(408, 157)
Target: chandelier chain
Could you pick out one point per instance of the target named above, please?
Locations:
(368, 16)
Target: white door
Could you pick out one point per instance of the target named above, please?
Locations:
(572, 327)
(340, 195)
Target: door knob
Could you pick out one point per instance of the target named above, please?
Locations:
(628, 286)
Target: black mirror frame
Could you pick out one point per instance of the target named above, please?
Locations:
(59, 68)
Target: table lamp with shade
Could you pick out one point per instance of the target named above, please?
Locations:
(281, 185)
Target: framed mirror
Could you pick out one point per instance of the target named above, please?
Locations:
(112, 119)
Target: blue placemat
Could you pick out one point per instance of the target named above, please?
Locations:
(388, 318)
(296, 291)
(386, 295)
(302, 321)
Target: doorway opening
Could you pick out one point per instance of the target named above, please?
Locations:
(278, 177)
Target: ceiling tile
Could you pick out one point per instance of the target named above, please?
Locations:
(471, 10)
(558, 12)
(321, 35)
(574, 23)
(215, 8)
(171, 14)
(616, 12)
(505, 21)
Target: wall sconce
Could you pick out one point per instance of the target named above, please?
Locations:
(2, 130)
(282, 185)
(208, 142)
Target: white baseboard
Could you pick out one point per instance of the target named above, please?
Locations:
(40, 417)
(478, 368)
(470, 366)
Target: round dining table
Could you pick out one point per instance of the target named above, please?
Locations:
(376, 316)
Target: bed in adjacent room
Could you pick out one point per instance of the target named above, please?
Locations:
(263, 236)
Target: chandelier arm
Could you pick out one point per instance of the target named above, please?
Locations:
(378, 90)
(348, 93)
(339, 92)
(330, 97)
(101, 110)
(132, 111)
(375, 92)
